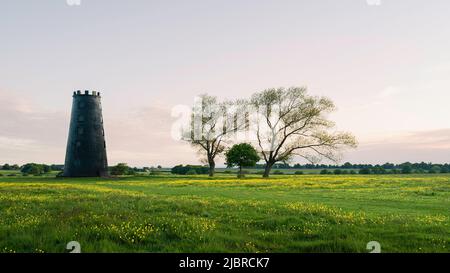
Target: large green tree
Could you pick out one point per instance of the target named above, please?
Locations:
(242, 155)
(292, 123)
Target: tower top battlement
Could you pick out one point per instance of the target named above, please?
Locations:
(86, 93)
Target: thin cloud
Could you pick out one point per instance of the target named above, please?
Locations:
(429, 146)
(389, 92)
(16, 143)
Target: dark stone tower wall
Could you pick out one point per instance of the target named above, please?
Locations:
(86, 146)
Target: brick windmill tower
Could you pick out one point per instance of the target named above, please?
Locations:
(86, 146)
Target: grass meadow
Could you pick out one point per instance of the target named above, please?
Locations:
(167, 213)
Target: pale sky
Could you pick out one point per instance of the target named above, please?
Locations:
(387, 68)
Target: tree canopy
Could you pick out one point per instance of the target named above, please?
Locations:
(242, 155)
(211, 124)
(292, 123)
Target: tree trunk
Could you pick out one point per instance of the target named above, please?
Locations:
(240, 172)
(212, 167)
(267, 170)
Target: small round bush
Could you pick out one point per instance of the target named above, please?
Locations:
(365, 171)
(299, 172)
(191, 172)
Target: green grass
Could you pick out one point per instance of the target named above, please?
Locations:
(308, 213)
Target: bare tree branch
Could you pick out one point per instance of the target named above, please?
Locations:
(297, 123)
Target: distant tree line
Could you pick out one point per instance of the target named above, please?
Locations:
(124, 169)
(190, 170)
(40, 169)
(15, 167)
(8, 167)
(347, 167)
(32, 168)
